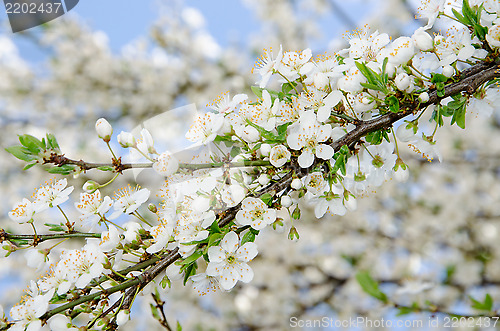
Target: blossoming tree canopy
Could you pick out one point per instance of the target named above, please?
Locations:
(330, 134)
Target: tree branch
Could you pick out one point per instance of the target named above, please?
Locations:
(470, 80)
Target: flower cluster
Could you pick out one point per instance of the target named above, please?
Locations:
(324, 139)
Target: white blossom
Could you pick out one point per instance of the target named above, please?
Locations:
(229, 261)
(255, 212)
(166, 165)
(51, 195)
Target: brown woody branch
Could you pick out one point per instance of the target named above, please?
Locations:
(470, 80)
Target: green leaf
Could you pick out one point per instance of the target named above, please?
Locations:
(408, 310)
(214, 238)
(19, 242)
(29, 165)
(371, 86)
(235, 151)
(55, 227)
(34, 145)
(340, 162)
(438, 78)
(189, 271)
(344, 150)
(286, 88)
(165, 281)
(27, 139)
(154, 312)
(179, 327)
(369, 74)
(437, 115)
(370, 286)
(22, 153)
(65, 169)
(52, 141)
(267, 198)
(385, 76)
(106, 168)
(480, 31)
(192, 258)
(393, 103)
(58, 298)
(459, 117)
(248, 237)
(282, 128)
(255, 232)
(460, 17)
(214, 228)
(375, 81)
(257, 91)
(487, 304)
(376, 137)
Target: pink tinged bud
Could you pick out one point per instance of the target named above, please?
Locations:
(103, 129)
(286, 201)
(296, 184)
(448, 71)
(166, 165)
(422, 40)
(126, 139)
(423, 97)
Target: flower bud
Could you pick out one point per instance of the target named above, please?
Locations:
(296, 184)
(265, 149)
(90, 186)
(286, 201)
(402, 81)
(422, 40)
(148, 140)
(448, 71)
(423, 97)
(126, 139)
(152, 208)
(122, 317)
(103, 129)
(293, 234)
(264, 179)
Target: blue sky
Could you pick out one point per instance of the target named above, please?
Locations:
(126, 20)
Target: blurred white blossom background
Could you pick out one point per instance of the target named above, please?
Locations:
(435, 237)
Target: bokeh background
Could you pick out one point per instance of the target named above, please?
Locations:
(433, 238)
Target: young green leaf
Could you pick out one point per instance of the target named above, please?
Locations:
(370, 286)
